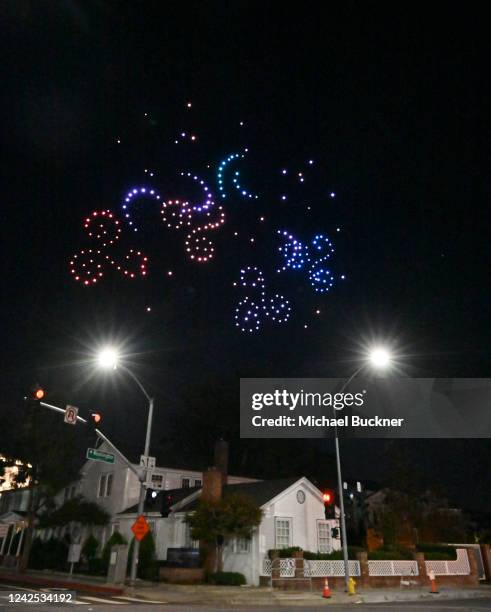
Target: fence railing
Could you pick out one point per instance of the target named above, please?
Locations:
(459, 567)
(333, 568)
(393, 568)
(312, 568)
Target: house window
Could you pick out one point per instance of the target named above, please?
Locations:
(197, 482)
(185, 483)
(188, 541)
(109, 485)
(242, 545)
(323, 537)
(283, 532)
(102, 485)
(105, 485)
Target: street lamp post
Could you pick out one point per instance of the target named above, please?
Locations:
(108, 359)
(378, 358)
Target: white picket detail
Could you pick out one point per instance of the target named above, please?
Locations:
(312, 568)
(287, 567)
(393, 568)
(459, 567)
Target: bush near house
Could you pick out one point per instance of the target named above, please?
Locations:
(227, 578)
(148, 568)
(437, 552)
(390, 554)
(89, 554)
(284, 553)
(336, 555)
(52, 554)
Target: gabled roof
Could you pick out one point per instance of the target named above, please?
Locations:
(260, 492)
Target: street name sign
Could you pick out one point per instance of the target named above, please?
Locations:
(97, 455)
(140, 528)
(71, 413)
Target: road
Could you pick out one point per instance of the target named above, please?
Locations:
(98, 603)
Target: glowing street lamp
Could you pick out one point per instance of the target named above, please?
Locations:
(378, 358)
(109, 359)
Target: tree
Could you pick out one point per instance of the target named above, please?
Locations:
(233, 516)
(75, 510)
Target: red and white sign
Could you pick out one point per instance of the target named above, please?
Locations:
(140, 528)
(71, 413)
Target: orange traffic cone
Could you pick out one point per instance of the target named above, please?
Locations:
(431, 576)
(327, 591)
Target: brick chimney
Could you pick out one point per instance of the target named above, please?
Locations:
(212, 485)
(221, 459)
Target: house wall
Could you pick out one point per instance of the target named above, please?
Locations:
(304, 518)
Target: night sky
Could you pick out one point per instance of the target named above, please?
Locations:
(388, 101)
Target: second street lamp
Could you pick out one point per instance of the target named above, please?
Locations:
(379, 358)
(108, 359)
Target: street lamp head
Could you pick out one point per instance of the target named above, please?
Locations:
(108, 359)
(380, 357)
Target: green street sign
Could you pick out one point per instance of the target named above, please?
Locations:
(97, 455)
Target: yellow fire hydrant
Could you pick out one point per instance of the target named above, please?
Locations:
(351, 586)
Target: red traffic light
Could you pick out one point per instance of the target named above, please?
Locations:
(327, 498)
(39, 393)
(96, 417)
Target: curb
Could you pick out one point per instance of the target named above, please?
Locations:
(85, 587)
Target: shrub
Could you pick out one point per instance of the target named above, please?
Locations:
(90, 547)
(148, 568)
(114, 540)
(284, 553)
(336, 555)
(437, 552)
(55, 553)
(227, 578)
(390, 554)
(37, 558)
(95, 566)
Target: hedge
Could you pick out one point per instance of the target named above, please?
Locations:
(227, 578)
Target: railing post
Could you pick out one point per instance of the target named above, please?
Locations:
(419, 557)
(364, 578)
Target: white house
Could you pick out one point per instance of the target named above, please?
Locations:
(293, 515)
(293, 510)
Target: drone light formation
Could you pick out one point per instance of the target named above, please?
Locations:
(198, 220)
(236, 178)
(88, 266)
(254, 308)
(297, 256)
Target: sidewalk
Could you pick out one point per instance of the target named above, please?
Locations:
(218, 596)
(50, 579)
(263, 596)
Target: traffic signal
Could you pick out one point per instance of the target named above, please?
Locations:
(167, 501)
(335, 533)
(39, 393)
(36, 394)
(329, 508)
(94, 420)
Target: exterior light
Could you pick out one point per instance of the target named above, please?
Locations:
(108, 359)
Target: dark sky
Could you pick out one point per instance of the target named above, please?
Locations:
(391, 103)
